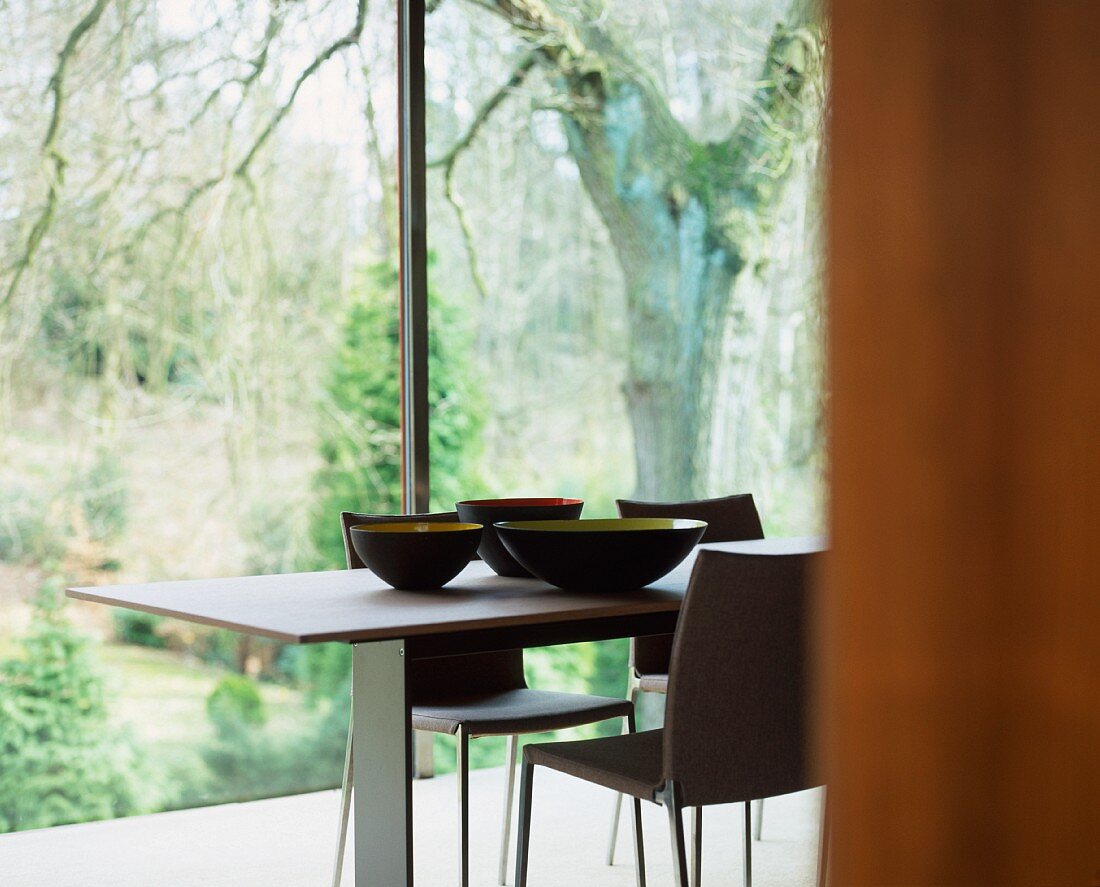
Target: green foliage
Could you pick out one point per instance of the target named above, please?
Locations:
(235, 706)
(217, 646)
(323, 671)
(62, 762)
(247, 761)
(26, 533)
(360, 418)
(149, 292)
(277, 539)
(598, 668)
(37, 522)
(138, 629)
(360, 447)
(104, 496)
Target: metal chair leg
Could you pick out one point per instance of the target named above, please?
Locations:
(523, 834)
(509, 790)
(748, 843)
(345, 813)
(611, 839)
(676, 833)
(463, 741)
(632, 693)
(697, 847)
(823, 848)
(758, 826)
(423, 754)
(639, 844)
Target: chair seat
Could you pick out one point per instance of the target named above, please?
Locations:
(515, 711)
(630, 763)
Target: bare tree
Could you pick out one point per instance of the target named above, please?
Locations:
(685, 217)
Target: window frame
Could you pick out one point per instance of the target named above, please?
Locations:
(413, 253)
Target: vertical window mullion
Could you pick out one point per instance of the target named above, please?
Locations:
(413, 275)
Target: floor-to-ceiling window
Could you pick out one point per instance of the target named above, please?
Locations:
(624, 258)
(623, 225)
(199, 343)
(198, 350)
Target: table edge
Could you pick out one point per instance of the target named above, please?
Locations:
(670, 605)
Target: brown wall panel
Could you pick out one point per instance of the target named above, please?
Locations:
(962, 653)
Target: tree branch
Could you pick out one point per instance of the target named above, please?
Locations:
(761, 144)
(448, 160)
(154, 90)
(351, 38)
(556, 37)
(747, 168)
(52, 160)
(467, 234)
(519, 74)
(594, 67)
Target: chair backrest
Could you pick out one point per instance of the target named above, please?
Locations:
(447, 677)
(729, 519)
(736, 722)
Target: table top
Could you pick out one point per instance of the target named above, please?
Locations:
(355, 605)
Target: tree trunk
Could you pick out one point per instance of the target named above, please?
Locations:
(679, 275)
(683, 215)
(678, 295)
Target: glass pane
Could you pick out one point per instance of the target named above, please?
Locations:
(623, 219)
(197, 371)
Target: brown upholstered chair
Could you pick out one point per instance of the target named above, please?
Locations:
(729, 519)
(483, 694)
(743, 625)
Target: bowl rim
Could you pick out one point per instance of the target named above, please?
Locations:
(605, 525)
(413, 528)
(521, 502)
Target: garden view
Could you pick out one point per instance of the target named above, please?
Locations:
(199, 333)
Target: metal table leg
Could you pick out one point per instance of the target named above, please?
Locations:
(381, 766)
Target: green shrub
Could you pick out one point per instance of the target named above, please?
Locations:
(61, 760)
(323, 671)
(93, 503)
(138, 629)
(277, 539)
(218, 646)
(247, 762)
(360, 426)
(26, 534)
(104, 496)
(235, 706)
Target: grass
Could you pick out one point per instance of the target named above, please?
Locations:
(158, 698)
(161, 696)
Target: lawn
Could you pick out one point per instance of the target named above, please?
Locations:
(161, 696)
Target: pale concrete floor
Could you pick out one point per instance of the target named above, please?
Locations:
(289, 842)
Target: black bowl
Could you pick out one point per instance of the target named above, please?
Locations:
(490, 511)
(416, 555)
(601, 555)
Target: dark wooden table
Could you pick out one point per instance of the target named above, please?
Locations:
(478, 611)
